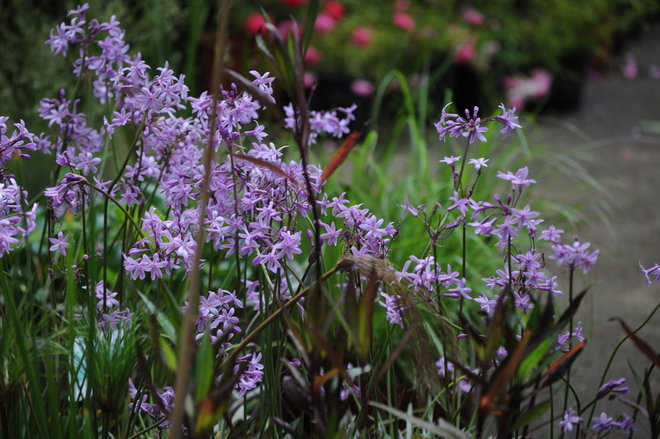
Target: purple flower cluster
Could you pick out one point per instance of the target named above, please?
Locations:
(107, 307)
(252, 374)
(575, 255)
(604, 424)
(16, 222)
(362, 233)
(470, 126)
(424, 275)
(157, 410)
(334, 123)
(217, 315)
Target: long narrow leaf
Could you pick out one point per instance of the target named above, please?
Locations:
(340, 155)
(264, 164)
(442, 428)
(491, 400)
(641, 344)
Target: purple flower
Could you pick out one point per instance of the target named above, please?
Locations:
(615, 386)
(459, 290)
(457, 126)
(470, 126)
(648, 272)
(394, 309)
(603, 423)
(479, 163)
(575, 255)
(252, 374)
(487, 305)
(21, 139)
(450, 160)
(408, 208)
(59, 243)
(551, 234)
(626, 424)
(569, 420)
(322, 121)
(331, 233)
(289, 244)
(519, 179)
(508, 119)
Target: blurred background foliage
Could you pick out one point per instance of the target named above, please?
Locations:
(483, 51)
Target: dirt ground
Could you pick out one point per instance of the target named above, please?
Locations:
(615, 136)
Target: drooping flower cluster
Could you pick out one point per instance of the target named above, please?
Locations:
(16, 221)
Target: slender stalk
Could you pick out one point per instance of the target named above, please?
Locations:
(459, 186)
(570, 335)
(186, 341)
(286, 305)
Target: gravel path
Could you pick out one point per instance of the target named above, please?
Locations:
(611, 135)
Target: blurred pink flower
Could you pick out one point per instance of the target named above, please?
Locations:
(362, 88)
(630, 68)
(403, 21)
(465, 54)
(309, 79)
(361, 36)
(521, 89)
(334, 9)
(253, 23)
(474, 17)
(324, 23)
(313, 56)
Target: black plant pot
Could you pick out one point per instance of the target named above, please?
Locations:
(568, 84)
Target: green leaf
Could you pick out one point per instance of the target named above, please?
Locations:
(495, 335)
(168, 354)
(204, 370)
(310, 22)
(533, 359)
(531, 415)
(163, 321)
